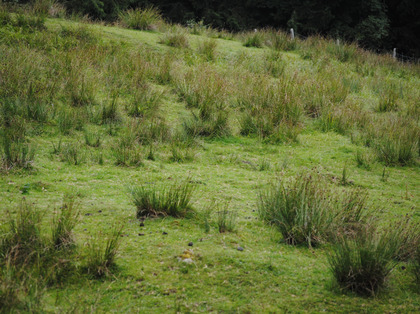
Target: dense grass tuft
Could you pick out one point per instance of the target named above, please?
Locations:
(142, 19)
(362, 263)
(163, 201)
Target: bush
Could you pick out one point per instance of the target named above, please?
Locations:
(162, 201)
(141, 19)
(300, 210)
(362, 263)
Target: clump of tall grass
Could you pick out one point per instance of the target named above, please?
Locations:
(175, 37)
(101, 255)
(151, 200)
(22, 240)
(267, 106)
(205, 92)
(148, 18)
(207, 48)
(226, 219)
(253, 39)
(307, 210)
(126, 148)
(72, 154)
(395, 141)
(145, 103)
(92, 139)
(282, 41)
(343, 52)
(64, 222)
(15, 151)
(363, 159)
(300, 209)
(362, 263)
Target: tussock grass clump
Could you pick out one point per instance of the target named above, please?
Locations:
(92, 138)
(282, 41)
(226, 219)
(307, 210)
(64, 223)
(207, 48)
(101, 255)
(362, 263)
(269, 109)
(145, 103)
(300, 209)
(163, 201)
(72, 154)
(22, 240)
(395, 141)
(253, 39)
(142, 19)
(175, 37)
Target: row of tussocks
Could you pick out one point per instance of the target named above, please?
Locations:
(67, 80)
(306, 209)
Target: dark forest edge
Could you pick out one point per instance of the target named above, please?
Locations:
(374, 24)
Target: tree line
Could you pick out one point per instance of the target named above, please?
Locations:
(375, 24)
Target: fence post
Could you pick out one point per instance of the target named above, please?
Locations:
(338, 42)
(292, 33)
(394, 53)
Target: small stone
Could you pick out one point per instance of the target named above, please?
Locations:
(142, 224)
(141, 234)
(164, 233)
(239, 248)
(188, 261)
(190, 244)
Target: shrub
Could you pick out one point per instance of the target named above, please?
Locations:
(300, 209)
(163, 201)
(64, 223)
(141, 19)
(100, 259)
(362, 263)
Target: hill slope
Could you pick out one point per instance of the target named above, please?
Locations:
(106, 109)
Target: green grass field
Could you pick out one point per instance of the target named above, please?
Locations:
(105, 109)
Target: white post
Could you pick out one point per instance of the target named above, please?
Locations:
(394, 53)
(338, 42)
(292, 33)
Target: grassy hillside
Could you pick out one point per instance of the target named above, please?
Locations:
(93, 114)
